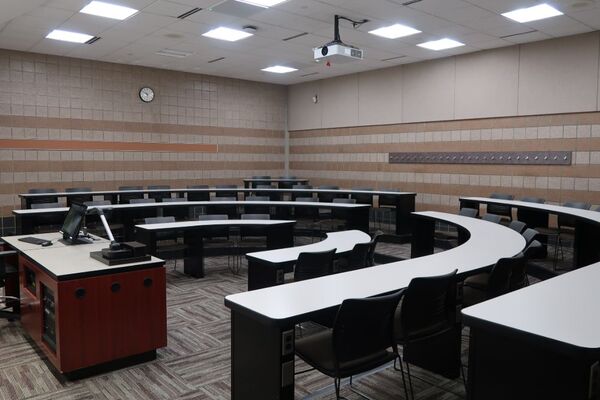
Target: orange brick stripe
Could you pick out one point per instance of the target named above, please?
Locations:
(111, 146)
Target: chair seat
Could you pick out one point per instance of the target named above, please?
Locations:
(317, 350)
(479, 281)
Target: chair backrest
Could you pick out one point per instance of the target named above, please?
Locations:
(261, 177)
(131, 188)
(307, 199)
(597, 208)
(529, 235)
(362, 198)
(328, 197)
(533, 250)
(224, 198)
(359, 257)
(364, 327)
(141, 201)
(533, 199)
(175, 200)
(492, 218)
(78, 198)
(125, 198)
(43, 199)
(45, 205)
(468, 212)
(288, 177)
(501, 276)
(373, 245)
(500, 209)
(78, 189)
(257, 198)
(255, 216)
(212, 217)
(157, 187)
(159, 220)
(518, 226)
(302, 187)
(570, 221)
(518, 275)
(198, 196)
(314, 264)
(344, 200)
(428, 306)
(159, 196)
(265, 187)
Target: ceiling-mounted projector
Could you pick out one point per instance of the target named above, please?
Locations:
(337, 51)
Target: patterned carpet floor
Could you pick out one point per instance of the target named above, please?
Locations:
(196, 362)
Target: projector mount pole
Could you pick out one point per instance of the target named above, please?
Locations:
(336, 26)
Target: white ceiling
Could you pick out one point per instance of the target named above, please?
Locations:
(477, 23)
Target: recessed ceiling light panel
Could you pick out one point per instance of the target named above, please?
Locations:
(228, 34)
(441, 44)
(262, 3)
(107, 10)
(67, 36)
(279, 69)
(394, 31)
(541, 11)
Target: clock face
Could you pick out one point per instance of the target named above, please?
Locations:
(146, 94)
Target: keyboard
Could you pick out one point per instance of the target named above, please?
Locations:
(33, 240)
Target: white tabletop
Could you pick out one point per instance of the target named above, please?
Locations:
(199, 203)
(54, 237)
(593, 216)
(341, 241)
(564, 308)
(222, 222)
(63, 261)
(488, 242)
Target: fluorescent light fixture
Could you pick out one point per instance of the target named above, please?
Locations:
(279, 69)
(173, 53)
(107, 10)
(67, 36)
(441, 44)
(262, 3)
(394, 31)
(541, 11)
(223, 33)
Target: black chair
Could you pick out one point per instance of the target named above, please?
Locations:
(499, 209)
(257, 209)
(159, 196)
(426, 326)
(45, 223)
(125, 198)
(485, 286)
(360, 340)
(492, 218)
(314, 265)
(468, 212)
(179, 213)
(266, 181)
(286, 185)
(43, 199)
(78, 198)
(373, 247)
(295, 195)
(9, 305)
(167, 243)
(518, 226)
(357, 259)
(226, 193)
(229, 209)
(530, 235)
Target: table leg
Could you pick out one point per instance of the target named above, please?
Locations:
(279, 237)
(358, 218)
(585, 245)
(422, 243)
(405, 205)
(262, 274)
(149, 239)
(193, 263)
(262, 359)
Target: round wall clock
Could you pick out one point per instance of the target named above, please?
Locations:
(146, 94)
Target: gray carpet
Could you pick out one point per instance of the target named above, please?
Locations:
(196, 362)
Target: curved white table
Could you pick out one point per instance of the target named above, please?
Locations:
(263, 320)
(267, 268)
(587, 228)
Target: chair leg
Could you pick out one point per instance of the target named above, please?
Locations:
(336, 382)
(412, 393)
(403, 377)
(463, 374)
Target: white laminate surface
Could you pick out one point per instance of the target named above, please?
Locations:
(564, 308)
(73, 260)
(54, 237)
(223, 222)
(199, 203)
(593, 216)
(488, 242)
(341, 241)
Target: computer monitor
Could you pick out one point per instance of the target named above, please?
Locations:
(73, 221)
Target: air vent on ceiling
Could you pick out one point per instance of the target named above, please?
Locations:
(312, 73)
(173, 53)
(236, 8)
(393, 58)
(409, 2)
(187, 14)
(93, 40)
(295, 36)
(517, 34)
(216, 59)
